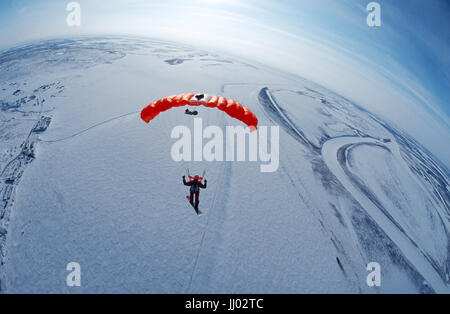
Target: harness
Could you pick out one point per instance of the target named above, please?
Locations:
(195, 188)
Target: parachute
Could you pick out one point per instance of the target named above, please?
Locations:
(233, 108)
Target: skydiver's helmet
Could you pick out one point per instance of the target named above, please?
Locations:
(187, 110)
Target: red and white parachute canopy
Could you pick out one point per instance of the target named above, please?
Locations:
(233, 108)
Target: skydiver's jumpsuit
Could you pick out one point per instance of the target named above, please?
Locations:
(195, 190)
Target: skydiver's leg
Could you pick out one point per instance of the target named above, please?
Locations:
(197, 201)
(191, 198)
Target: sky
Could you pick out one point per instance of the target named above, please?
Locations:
(400, 70)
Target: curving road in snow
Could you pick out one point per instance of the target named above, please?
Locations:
(334, 147)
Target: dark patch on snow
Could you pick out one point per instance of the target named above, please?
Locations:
(18, 92)
(42, 125)
(326, 177)
(10, 105)
(340, 265)
(338, 215)
(325, 102)
(175, 61)
(43, 88)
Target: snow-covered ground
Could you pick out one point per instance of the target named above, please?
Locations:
(84, 179)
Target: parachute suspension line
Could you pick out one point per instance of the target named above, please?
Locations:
(203, 174)
(196, 176)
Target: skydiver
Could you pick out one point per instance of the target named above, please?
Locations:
(195, 183)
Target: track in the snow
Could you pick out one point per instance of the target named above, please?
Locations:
(337, 147)
(90, 128)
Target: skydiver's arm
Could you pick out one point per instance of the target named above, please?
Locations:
(187, 183)
(203, 186)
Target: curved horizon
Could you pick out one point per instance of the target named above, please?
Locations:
(399, 70)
